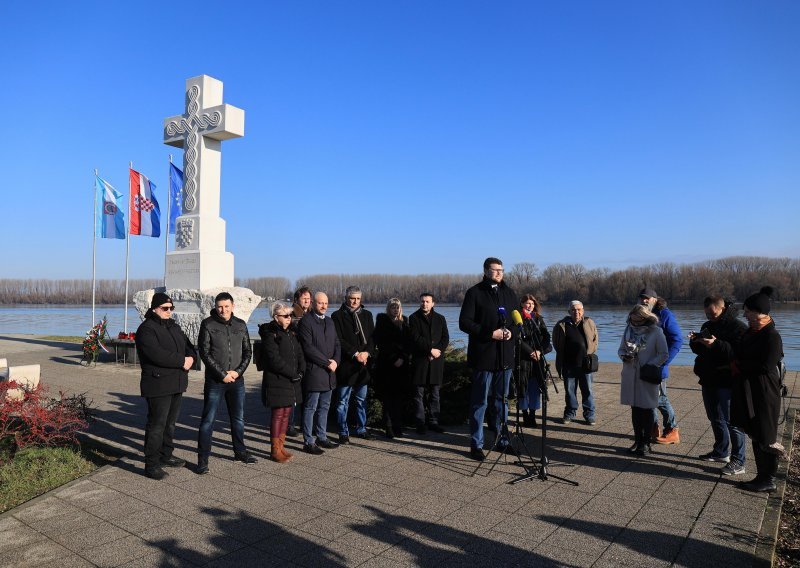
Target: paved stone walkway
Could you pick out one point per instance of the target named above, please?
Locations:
(418, 501)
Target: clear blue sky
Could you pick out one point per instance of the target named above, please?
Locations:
(413, 136)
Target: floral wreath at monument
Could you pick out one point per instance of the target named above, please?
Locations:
(93, 343)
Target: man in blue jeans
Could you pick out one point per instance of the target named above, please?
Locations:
(486, 318)
(714, 349)
(225, 349)
(354, 327)
(574, 339)
(672, 332)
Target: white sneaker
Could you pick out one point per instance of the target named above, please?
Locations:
(732, 468)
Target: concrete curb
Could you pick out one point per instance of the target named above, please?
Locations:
(768, 536)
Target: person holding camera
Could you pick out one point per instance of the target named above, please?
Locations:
(643, 351)
(575, 340)
(713, 346)
(284, 366)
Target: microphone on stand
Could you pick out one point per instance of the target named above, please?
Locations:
(501, 311)
(516, 318)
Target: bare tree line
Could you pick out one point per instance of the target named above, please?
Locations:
(732, 277)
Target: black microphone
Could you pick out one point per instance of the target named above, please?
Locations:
(501, 311)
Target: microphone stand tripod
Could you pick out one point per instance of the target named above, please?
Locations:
(540, 470)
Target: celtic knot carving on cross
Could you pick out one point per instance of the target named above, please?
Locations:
(199, 132)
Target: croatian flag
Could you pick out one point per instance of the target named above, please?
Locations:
(110, 218)
(145, 213)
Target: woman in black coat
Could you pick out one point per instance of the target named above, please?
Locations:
(534, 345)
(756, 402)
(391, 381)
(284, 366)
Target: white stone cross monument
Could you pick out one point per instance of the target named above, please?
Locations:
(201, 260)
(200, 267)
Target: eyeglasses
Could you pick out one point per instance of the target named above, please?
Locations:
(283, 315)
(497, 270)
(166, 308)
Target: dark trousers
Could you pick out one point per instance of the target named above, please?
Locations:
(766, 463)
(433, 404)
(642, 420)
(234, 401)
(162, 412)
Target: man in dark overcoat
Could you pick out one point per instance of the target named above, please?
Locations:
(429, 340)
(485, 317)
(355, 327)
(322, 352)
(165, 355)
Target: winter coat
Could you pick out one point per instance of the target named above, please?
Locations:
(424, 335)
(162, 348)
(560, 334)
(224, 346)
(713, 362)
(756, 397)
(651, 346)
(480, 317)
(350, 372)
(535, 337)
(391, 340)
(284, 366)
(320, 344)
(672, 333)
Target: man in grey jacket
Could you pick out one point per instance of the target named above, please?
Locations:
(224, 345)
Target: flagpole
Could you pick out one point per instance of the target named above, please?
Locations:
(169, 216)
(128, 247)
(94, 249)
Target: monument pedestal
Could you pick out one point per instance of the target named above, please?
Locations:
(199, 270)
(193, 306)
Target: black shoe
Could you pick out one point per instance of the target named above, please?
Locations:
(760, 485)
(343, 440)
(529, 420)
(399, 433)
(172, 461)
(422, 430)
(436, 428)
(633, 448)
(328, 445)
(477, 454)
(245, 458)
(566, 420)
(642, 450)
(292, 431)
(155, 473)
(365, 435)
(202, 466)
(313, 449)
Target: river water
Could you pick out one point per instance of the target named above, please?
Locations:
(75, 320)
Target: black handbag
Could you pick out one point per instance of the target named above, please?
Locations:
(591, 363)
(650, 374)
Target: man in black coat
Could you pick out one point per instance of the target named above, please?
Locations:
(429, 340)
(165, 355)
(322, 352)
(485, 315)
(714, 349)
(355, 327)
(225, 349)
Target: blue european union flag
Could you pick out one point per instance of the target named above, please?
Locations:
(175, 192)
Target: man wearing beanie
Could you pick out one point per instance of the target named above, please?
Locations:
(756, 399)
(166, 355)
(672, 332)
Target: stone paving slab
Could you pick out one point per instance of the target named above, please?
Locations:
(416, 501)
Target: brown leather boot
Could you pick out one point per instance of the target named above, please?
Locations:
(285, 454)
(671, 436)
(277, 451)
